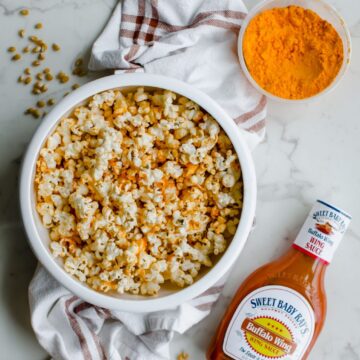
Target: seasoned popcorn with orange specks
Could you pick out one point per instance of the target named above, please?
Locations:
(137, 189)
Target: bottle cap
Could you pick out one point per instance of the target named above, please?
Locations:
(322, 231)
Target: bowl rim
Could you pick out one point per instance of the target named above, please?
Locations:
(26, 192)
(343, 70)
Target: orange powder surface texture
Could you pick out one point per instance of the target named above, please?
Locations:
(291, 52)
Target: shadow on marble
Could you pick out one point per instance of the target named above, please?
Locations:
(17, 261)
(202, 333)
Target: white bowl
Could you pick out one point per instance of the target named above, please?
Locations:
(38, 235)
(326, 12)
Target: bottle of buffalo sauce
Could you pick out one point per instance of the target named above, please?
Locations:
(279, 311)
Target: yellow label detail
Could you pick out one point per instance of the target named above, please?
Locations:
(268, 337)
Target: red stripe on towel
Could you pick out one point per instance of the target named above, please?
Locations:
(76, 328)
(248, 115)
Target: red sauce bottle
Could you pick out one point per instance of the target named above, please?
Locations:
(280, 309)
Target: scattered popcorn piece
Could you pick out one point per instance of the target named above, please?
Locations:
(56, 47)
(24, 12)
(183, 356)
(16, 57)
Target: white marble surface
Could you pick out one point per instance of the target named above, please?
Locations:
(310, 151)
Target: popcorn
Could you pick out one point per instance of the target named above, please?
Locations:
(50, 158)
(73, 150)
(158, 132)
(228, 180)
(84, 207)
(100, 241)
(188, 149)
(138, 189)
(140, 95)
(66, 223)
(53, 141)
(57, 249)
(173, 169)
(145, 141)
(224, 199)
(149, 288)
(46, 210)
(219, 242)
(145, 260)
(151, 176)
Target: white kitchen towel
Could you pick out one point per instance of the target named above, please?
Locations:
(195, 41)
(69, 328)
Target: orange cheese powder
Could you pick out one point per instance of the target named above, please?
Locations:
(291, 52)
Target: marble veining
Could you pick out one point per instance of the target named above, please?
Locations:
(311, 151)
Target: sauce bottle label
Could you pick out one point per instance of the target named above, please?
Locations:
(272, 322)
(322, 231)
